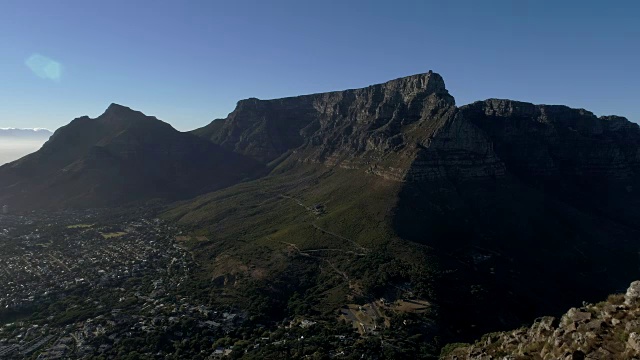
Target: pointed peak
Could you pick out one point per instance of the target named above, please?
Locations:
(122, 113)
(117, 108)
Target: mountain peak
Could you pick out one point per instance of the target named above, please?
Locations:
(428, 81)
(118, 117)
(118, 109)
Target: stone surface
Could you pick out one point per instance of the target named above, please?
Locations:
(546, 339)
(634, 341)
(409, 129)
(633, 294)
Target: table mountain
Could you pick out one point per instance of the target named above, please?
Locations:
(477, 208)
(391, 129)
(120, 157)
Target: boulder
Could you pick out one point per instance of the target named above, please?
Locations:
(633, 294)
(634, 342)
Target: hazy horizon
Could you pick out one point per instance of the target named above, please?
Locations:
(11, 150)
(16, 143)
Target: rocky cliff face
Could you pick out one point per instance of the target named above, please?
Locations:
(607, 330)
(552, 141)
(406, 129)
(409, 129)
(351, 121)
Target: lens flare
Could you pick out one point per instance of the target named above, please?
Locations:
(44, 67)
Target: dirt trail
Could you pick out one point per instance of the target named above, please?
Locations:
(333, 267)
(360, 248)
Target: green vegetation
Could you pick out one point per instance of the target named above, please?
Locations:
(80, 226)
(307, 240)
(113, 234)
(265, 232)
(305, 243)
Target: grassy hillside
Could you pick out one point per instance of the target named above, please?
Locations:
(486, 255)
(325, 234)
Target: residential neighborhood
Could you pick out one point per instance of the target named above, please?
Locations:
(91, 287)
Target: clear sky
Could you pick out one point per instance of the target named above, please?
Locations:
(189, 62)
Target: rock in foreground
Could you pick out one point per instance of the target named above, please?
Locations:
(607, 330)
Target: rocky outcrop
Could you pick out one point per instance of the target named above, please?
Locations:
(406, 129)
(607, 330)
(351, 122)
(556, 141)
(632, 297)
(409, 129)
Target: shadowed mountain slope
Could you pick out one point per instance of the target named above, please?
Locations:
(117, 158)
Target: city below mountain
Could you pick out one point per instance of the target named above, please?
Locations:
(387, 207)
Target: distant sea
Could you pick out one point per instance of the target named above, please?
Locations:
(14, 151)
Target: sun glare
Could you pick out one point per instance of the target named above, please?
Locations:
(44, 67)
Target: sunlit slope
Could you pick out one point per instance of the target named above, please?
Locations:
(488, 255)
(326, 234)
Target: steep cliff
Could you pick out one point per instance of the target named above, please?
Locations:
(556, 141)
(409, 129)
(406, 129)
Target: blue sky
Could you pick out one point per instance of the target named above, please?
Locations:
(189, 62)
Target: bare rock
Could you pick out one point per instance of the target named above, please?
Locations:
(634, 342)
(633, 294)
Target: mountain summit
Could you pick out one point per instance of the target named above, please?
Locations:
(352, 128)
(120, 157)
(409, 129)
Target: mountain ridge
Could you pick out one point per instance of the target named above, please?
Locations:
(377, 120)
(112, 159)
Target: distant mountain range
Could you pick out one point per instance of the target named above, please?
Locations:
(25, 133)
(495, 212)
